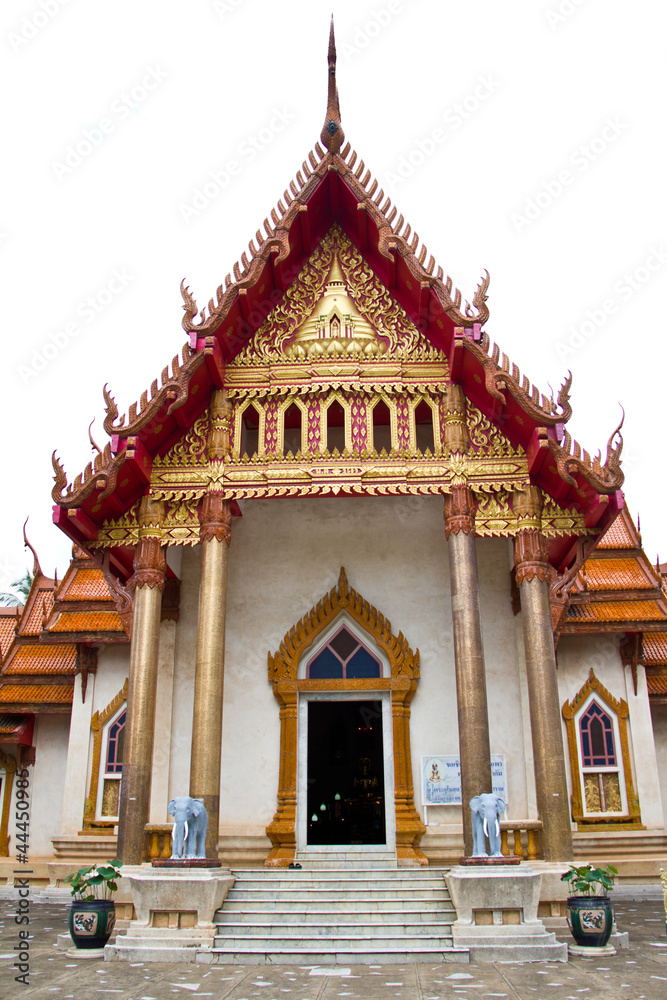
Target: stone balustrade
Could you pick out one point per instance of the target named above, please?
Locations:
(521, 837)
(158, 840)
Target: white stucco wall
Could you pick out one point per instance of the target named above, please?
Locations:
(47, 781)
(284, 556)
(659, 715)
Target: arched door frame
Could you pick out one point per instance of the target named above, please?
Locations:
(401, 685)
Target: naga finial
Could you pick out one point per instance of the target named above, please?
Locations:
(36, 568)
(332, 134)
(94, 443)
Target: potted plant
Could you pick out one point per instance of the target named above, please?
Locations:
(92, 914)
(589, 912)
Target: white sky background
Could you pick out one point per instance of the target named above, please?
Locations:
(219, 73)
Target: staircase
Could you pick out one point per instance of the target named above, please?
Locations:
(348, 909)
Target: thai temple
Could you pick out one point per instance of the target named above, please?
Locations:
(339, 570)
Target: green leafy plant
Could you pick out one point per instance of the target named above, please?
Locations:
(585, 880)
(96, 882)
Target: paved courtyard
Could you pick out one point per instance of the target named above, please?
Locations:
(639, 973)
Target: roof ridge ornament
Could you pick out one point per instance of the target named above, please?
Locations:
(332, 135)
(36, 568)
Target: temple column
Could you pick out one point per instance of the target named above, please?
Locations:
(148, 583)
(532, 578)
(473, 720)
(215, 521)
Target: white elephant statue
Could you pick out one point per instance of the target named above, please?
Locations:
(486, 812)
(189, 831)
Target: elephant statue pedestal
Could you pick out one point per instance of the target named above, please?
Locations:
(175, 909)
(496, 914)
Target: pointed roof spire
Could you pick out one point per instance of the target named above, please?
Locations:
(332, 134)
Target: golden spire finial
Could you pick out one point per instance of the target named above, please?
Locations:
(332, 134)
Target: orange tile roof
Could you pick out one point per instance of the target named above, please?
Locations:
(87, 621)
(7, 626)
(615, 574)
(87, 585)
(656, 685)
(617, 536)
(617, 611)
(43, 660)
(42, 694)
(11, 723)
(43, 603)
(655, 648)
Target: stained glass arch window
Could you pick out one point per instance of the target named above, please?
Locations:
(344, 657)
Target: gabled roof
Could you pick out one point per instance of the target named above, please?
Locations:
(334, 186)
(617, 589)
(41, 641)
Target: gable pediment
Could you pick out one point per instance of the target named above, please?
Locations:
(336, 321)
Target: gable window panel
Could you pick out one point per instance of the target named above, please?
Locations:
(114, 739)
(381, 427)
(292, 429)
(335, 427)
(249, 432)
(424, 435)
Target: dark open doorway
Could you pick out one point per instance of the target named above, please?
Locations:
(345, 773)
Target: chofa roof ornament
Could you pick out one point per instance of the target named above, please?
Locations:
(332, 135)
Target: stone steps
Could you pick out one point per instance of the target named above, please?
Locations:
(364, 912)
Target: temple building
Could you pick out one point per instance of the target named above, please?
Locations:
(340, 569)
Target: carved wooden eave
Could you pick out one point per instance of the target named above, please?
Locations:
(335, 189)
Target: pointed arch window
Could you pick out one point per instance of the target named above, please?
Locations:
(249, 431)
(344, 657)
(381, 427)
(113, 766)
(602, 785)
(424, 436)
(335, 427)
(292, 429)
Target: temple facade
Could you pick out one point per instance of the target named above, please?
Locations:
(341, 569)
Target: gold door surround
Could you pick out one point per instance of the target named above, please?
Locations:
(404, 666)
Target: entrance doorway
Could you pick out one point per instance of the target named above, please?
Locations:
(345, 773)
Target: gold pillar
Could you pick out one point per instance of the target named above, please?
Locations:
(215, 520)
(148, 583)
(473, 719)
(532, 578)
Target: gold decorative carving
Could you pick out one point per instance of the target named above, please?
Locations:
(216, 518)
(582, 787)
(149, 558)
(459, 511)
(454, 419)
(97, 724)
(494, 515)
(404, 668)
(530, 559)
(487, 439)
(9, 764)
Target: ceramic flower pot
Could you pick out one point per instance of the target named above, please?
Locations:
(591, 919)
(91, 922)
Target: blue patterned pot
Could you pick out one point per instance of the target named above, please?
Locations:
(91, 922)
(591, 920)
